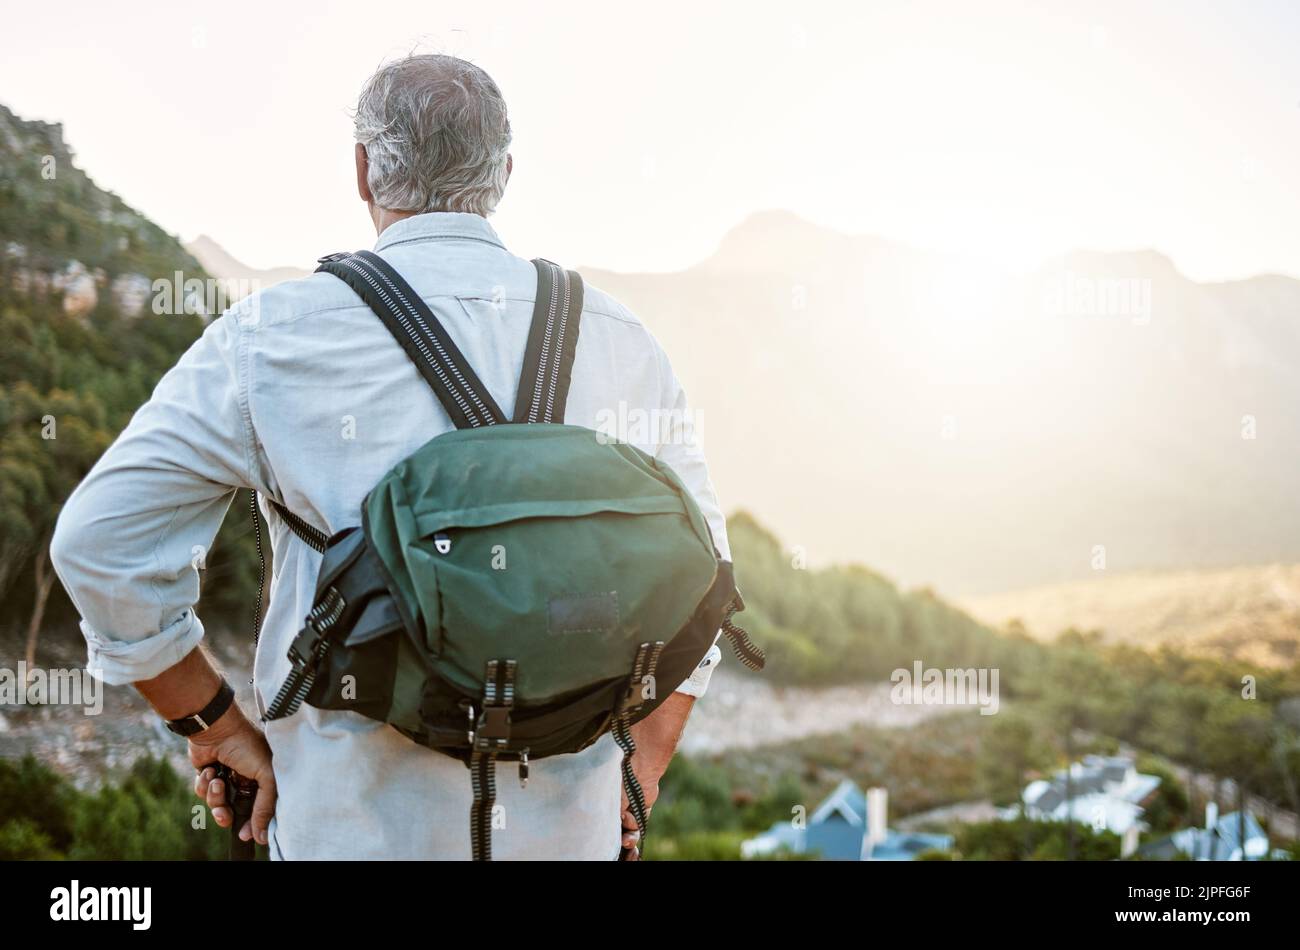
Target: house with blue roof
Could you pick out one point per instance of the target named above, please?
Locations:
(1106, 792)
(849, 825)
(1220, 840)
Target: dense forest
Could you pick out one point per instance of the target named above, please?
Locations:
(846, 624)
(150, 814)
(84, 346)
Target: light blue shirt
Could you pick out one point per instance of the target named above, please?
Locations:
(299, 392)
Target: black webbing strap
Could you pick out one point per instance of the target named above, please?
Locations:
(746, 650)
(483, 777)
(491, 737)
(313, 537)
(647, 658)
(422, 337)
(552, 344)
(306, 654)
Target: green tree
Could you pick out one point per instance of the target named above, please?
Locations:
(1024, 840)
(1078, 695)
(23, 840)
(41, 799)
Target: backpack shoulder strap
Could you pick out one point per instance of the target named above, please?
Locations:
(422, 337)
(552, 344)
(315, 538)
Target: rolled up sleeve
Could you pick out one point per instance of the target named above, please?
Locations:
(698, 682)
(133, 537)
(127, 661)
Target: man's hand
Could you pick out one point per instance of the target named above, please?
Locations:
(235, 742)
(232, 740)
(656, 737)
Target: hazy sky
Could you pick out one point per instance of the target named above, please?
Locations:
(643, 133)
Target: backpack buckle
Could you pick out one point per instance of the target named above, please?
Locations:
(632, 698)
(491, 731)
(306, 650)
(303, 648)
(493, 727)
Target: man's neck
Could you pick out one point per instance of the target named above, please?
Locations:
(384, 218)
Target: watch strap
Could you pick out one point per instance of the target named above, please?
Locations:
(205, 717)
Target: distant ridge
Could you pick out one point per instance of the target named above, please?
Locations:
(1246, 614)
(217, 261)
(981, 432)
(975, 431)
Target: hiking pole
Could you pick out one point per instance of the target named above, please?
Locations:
(240, 793)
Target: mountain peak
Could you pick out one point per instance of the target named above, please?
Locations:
(219, 262)
(786, 225)
(57, 217)
(782, 241)
(1144, 262)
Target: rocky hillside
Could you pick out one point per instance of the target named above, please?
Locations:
(1247, 614)
(96, 303)
(68, 241)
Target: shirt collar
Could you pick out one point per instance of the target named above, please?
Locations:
(436, 225)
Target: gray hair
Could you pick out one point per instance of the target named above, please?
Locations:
(436, 135)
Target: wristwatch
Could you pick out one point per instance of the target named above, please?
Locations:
(205, 717)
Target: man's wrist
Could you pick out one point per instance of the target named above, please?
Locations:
(230, 723)
(203, 720)
(184, 688)
(657, 734)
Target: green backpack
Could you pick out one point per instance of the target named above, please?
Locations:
(517, 588)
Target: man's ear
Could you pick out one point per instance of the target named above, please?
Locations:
(510, 165)
(363, 173)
